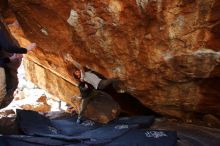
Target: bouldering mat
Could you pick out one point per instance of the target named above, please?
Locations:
(129, 131)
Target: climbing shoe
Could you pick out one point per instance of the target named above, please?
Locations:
(79, 120)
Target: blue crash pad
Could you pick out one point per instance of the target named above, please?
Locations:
(128, 131)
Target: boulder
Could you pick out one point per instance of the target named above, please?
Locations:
(102, 108)
(212, 121)
(165, 52)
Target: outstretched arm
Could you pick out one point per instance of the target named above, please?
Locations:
(82, 74)
(9, 43)
(19, 50)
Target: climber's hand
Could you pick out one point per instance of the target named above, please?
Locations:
(16, 56)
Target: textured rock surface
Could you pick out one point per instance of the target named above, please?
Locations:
(165, 51)
(41, 106)
(191, 135)
(102, 108)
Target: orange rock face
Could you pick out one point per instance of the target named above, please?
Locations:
(166, 52)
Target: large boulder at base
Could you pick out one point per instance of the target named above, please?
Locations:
(102, 108)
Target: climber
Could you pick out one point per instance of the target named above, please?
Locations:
(10, 60)
(87, 93)
(89, 83)
(90, 77)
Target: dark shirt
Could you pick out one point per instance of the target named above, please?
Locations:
(4, 61)
(85, 89)
(8, 45)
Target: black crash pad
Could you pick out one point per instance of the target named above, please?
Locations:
(39, 130)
